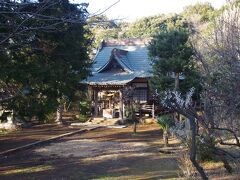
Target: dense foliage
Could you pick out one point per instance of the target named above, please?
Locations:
(171, 56)
(216, 54)
(45, 64)
(204, 11)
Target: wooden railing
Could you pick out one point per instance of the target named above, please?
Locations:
(153, 110)
(147, 108)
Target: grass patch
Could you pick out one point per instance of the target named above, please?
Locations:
(3, 132)
(212, 165)
(27, 170)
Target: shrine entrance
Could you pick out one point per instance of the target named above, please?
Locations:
(107, 101)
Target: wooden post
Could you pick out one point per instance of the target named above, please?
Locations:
(95, 103)
(121, 105)
(153, 110)
(124, 111)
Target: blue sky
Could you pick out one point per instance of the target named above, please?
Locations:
(133, 9)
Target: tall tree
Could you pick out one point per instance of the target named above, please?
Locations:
(171, 56)
(52, 61)
(103, 28)
(220, 59)
(20, 19)
(219, 64)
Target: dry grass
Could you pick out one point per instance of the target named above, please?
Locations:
(27, 170)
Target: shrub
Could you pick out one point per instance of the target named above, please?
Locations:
(50, 117)
(84, 108)
(83, 118)
(204, 152)
(165, 121)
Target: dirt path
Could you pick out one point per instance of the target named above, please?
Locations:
(99, 154)
(32, 134)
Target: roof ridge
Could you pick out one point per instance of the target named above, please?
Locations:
(125, 42)
(115, 53)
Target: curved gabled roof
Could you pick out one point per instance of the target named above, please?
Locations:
(132, 57)
(121, 57)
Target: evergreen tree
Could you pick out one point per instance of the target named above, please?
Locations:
(51, 63)
(171, 56)
(205, 11)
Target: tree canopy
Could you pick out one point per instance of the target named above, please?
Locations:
(171, 56)
(48, 62)
(205, 11)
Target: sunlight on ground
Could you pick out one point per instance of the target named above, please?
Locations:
(27, 170)
(212, 165)
(119, 160)
(118, 156)
(150, 175)
(90, 148)
(3, 132)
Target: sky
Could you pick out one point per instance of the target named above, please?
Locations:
(130, 10)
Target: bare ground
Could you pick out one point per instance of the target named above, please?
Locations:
(32, 134)
(99, 154)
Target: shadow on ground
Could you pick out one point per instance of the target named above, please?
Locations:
(99, 154)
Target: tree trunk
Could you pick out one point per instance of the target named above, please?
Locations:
(131, 109)
(135, 127)
(220, 156)
(59, 115)
(96, 103)
(226, 165)
(65, 107)
(193, 150)
(165, 137)
(176, 86)
(134, 119)
(121, 105)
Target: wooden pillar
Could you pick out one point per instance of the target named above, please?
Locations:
(124, 111)
(110, 103)
(121, 105)
(89, 93)
(95, 103)
(153, 110)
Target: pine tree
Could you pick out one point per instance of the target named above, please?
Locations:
(171, 56)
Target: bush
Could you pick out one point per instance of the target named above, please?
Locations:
(84, 108)
(165, 121)
(205, 153)
(50, 118)
(83, 118)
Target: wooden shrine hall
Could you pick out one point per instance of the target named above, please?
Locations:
(119, 64)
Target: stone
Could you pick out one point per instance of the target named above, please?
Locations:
(8, 126)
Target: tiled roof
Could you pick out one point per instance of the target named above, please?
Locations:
(121, 57)
(131, 55)
(110, 78)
